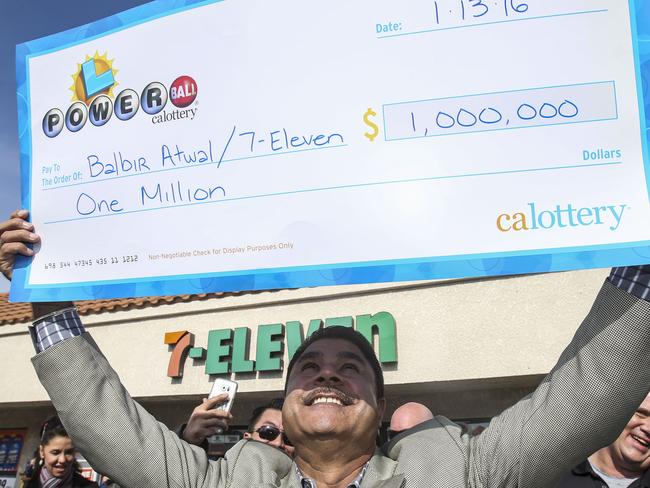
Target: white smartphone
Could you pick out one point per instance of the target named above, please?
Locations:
(220, 386)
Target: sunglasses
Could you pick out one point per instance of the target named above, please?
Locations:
(270, 433)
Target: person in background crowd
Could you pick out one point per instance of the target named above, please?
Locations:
(622, 464)
(265, 424)
(56, 466)
(406, 417)
(106, 482)
(205, 420)
(30, 466)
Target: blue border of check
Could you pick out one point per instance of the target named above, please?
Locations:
(426, 267)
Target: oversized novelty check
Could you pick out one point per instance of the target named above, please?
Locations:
(185, 147)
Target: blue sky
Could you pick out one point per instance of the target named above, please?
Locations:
(22, 21)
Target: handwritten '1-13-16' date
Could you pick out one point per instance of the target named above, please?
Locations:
(81, 263)
(474, 9)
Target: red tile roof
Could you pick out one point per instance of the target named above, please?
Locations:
(11, 313)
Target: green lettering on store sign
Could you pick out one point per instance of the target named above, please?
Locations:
(269, 344)
(295, 336)
(339, 322)
(216, 351)
(314, 325)
(240, 346)
(228, 349)
(384, 324)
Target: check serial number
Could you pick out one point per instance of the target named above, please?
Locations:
(87, 262)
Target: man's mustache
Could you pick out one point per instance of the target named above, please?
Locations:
(328, 391)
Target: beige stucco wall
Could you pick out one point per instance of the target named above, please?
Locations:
(447, 331)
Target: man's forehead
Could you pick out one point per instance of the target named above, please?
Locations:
(332, 347)
(270, 416)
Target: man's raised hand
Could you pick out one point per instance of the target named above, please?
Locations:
(15, 234)
(206, 420)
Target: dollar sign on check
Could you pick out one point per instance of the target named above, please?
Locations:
(374, 128)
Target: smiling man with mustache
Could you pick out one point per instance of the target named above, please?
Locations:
(333, 407)
(335, 402)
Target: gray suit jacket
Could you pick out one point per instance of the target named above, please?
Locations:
(582, 405)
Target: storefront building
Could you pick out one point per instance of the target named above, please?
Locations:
(465, 348)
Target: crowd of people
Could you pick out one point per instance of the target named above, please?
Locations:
(623, 464)
(587, 424)
(54, 463)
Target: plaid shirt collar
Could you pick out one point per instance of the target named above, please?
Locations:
(310, 483)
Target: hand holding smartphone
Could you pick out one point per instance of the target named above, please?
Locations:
(221, 386)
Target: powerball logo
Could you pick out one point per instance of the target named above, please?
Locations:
(561, 216)
(93, 99)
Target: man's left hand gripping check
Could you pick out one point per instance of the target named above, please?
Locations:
(15, 234)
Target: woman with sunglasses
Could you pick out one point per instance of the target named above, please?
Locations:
(56, 465)
(266, 426)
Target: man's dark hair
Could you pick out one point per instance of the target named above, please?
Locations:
(347, 334)
(275, 404)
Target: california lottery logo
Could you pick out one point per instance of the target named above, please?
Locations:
(568, 215)
(93, 99)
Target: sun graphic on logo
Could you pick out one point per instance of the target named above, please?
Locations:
(86, 79)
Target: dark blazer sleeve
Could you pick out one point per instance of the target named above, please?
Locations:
(117, 436)
(79, 481)
(581, 405)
